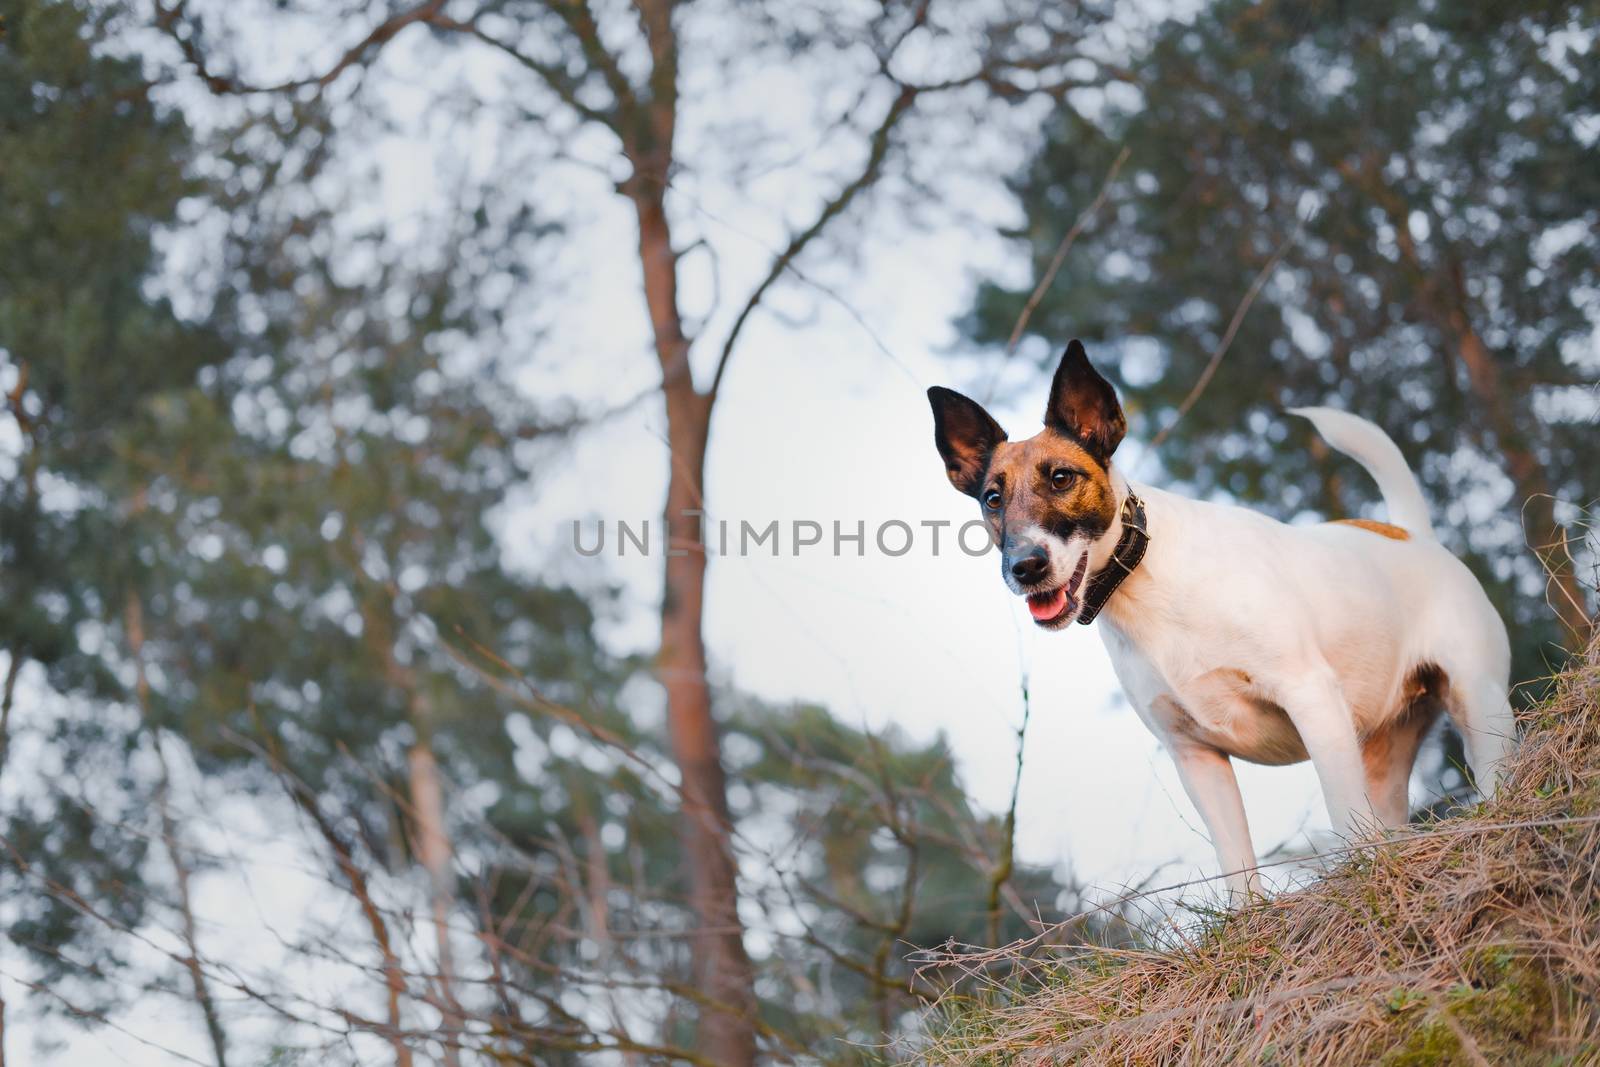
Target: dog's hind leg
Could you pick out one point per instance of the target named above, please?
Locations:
(1479, 707)
(1321, 715)
(1388, 755)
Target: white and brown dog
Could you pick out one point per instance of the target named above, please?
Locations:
(1233, 634)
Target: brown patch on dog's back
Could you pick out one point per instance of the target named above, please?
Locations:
(1088, 504)
(1382, 529)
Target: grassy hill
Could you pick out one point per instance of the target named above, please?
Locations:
(1472, 941)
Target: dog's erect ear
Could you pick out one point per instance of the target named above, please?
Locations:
(966, 437)
(1084, 406)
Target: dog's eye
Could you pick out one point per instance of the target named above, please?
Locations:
(1062, 478)
(991, 500)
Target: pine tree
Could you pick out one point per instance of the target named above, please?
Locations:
(92, 168)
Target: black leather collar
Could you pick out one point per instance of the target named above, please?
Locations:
(1130, 550)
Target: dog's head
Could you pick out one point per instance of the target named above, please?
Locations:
(1048, 501)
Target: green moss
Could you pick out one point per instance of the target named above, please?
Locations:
(1430, 1044)
(1515, 999)
(1504, 1009)
(1401, 998)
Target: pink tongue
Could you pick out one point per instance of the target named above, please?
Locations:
(1048, 607)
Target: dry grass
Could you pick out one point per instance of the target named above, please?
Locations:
(1473, 941)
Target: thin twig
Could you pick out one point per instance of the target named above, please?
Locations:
(1007, 863)
(1227, 339)
(1060, 257)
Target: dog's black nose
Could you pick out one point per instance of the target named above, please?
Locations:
(1031, 567)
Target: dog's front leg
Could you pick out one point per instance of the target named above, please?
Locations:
(1208, 778)
(1317, 707)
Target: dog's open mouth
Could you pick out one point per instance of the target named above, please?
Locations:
(1051, 607)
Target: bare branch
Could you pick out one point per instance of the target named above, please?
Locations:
(580, 22)
(877, 152)
(1227, 337)
(170, 20)
(356, 881)
(556, 78)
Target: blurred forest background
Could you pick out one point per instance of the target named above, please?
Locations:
(262, 649)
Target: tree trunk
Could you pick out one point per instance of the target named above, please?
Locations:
(13, 669)
(1546, 536)
(432, 842)
(592, 884)
(425, 822)
(7, 697)
(723, 971)
(379, 630)
(727, 1035)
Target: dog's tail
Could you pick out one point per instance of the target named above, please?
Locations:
(1374, 450)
